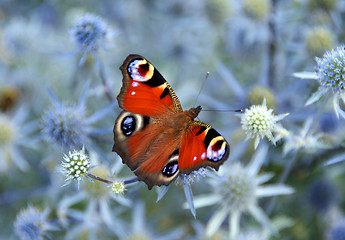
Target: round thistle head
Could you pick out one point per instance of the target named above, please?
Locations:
(75, 165)
(331, 70)
(65, 126)
(259, 121)
(319, 39)
(118, 188)
(31, 223)
(7, 131)
(258, 10)
(89, 31)
(239, 191)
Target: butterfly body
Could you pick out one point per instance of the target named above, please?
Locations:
(154, 136)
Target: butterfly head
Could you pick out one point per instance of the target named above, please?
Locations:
(194, 112)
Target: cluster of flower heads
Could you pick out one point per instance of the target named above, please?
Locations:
(235, 192)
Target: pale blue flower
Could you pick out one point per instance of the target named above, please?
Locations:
(90, 33)
(100, 201)
(239, 193)
(33, 224)
(15, 135)
(69, 126)
(330, 73)
(304, 139)
(186, 180)
(139, 227)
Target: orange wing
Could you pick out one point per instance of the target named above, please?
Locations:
(144, 90)
(202, 146)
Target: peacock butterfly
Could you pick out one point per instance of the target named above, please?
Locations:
(153, 135)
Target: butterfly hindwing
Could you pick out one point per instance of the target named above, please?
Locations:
(202, 146)
(152, 156)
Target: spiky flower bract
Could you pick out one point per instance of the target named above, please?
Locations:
(66, 126)
(238, 193)
(330, 73)
(32, 224)
(259, 121)
(16, 134)
(305, 139)
(186, 180)
(75, 165)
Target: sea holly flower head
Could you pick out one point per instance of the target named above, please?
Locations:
(237, 192)
(330, 73)
(89, 32)
(31, 223)
(330, 70)
(118, 188)
(65, 125)
(68, 126)
(259, 121)
(75, 165)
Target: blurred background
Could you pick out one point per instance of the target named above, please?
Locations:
(59, 78)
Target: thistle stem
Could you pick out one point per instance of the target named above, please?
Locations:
(104, 79)
(132, 180)
(129, 181)
(272, 45)
(98, 178)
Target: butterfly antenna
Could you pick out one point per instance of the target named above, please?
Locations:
(236, 110)
(203, 84)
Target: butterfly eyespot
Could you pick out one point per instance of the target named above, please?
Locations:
(217, 149)
(128, 125)
(170, 169)
(140, 70)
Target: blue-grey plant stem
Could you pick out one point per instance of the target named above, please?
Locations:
(272, 45)
(98, 178)
(129, 181)
(104, 81)
(283, 177)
